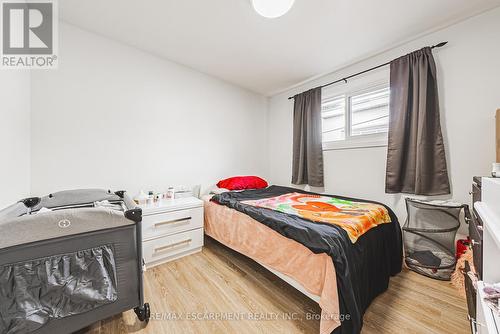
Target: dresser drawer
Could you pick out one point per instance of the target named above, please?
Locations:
(476, 193)
(171, 247)
(476, 235)
(172, 222)
(471, 296)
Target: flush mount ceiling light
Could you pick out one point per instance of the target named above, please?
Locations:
(272, 8)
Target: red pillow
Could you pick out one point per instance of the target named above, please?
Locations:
(242, 182)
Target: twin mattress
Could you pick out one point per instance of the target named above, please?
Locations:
(361, 267)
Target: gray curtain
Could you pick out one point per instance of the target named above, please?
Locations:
(416, 161)
(307, 167)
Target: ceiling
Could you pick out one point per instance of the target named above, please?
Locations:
(228, 40)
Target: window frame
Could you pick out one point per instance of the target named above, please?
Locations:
(359, 141)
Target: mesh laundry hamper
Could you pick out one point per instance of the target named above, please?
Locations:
(429, 237)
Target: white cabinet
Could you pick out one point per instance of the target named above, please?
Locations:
(171, 229)
(489, 210)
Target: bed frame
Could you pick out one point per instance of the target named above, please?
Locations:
(292, 282)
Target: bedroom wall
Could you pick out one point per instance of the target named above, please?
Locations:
(113, 116)
(14, 136)
(468, 73)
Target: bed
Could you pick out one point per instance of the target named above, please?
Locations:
(312, 242)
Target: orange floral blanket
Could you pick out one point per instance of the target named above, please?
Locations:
(354, 217)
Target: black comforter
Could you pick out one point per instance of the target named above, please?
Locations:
(363, 269)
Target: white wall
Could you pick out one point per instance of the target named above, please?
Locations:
(469, 87)
(14, 136)
(115, 117)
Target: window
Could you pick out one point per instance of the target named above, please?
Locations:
(356, 119)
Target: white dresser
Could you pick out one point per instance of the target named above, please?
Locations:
(171, 229)
(489, 211)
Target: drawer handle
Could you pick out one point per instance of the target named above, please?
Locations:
(474, 242)
(474, 321)
(172, 222)
(175, 244)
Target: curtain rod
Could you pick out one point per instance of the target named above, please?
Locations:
(368, 70)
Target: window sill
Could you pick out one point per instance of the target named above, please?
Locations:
(378, 141)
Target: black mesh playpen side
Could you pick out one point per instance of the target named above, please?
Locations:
(103, 263)
(429, 237)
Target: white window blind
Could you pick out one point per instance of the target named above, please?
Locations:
(333, 115)
(370, 112)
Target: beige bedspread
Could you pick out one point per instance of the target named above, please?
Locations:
(315, 272)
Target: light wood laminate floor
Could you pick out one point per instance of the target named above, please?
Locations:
(195, 291)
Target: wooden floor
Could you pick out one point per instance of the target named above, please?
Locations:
(192, 294)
